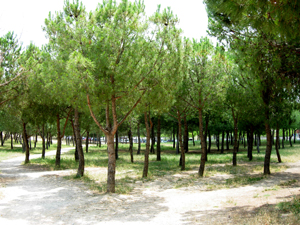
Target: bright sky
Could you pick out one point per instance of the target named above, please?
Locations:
(26, 17)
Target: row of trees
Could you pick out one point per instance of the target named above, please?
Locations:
(109, 68)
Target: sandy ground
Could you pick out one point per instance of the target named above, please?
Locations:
(30, 195)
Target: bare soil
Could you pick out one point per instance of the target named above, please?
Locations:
(33, 195)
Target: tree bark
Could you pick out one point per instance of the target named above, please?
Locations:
(250, 143)
(158, 158)
(148, 128)
(87, 141)
(111, 163)
(76, 155)
(25, 140)
(222, 142)
(130, 144)
(58, 149)
(283, 138)
(277, 143)
(186, 135)
(11, 141)
(152, 140)
(117, 144)
(268, 149)
(182, 150)
(139, 139)
(80, 170)
(177, 143)
(235, 146)
(1, 136)
(227, 140)
(43, 141)
(173, 136)
(203, 144)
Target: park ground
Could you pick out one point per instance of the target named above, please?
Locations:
(38, 193)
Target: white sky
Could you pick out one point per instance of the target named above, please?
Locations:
(26, 17)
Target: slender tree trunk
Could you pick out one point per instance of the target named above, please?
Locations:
(158, 158)
(58, 149)
(277, 143)
(217, 142)
(193, 137)
(130, 144)
(76, 155)
(80, 170)
(182, 150)
(173, 136)
(203, 144)
(268, 149)
(227, 140)
(1, 136)
(139, 139)
(11, 141)
(222, 141)
(152, 140)
(283, 138)
(148, 128)
(250, 142)
(25, 140)
(186, 135)
(290, 138)
(111, 163)
(209, 142)
(87, 141)
(117, 144)
(177, 143)
(235, 147)
(43, 141)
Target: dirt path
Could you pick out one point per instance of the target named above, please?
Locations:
(29, 196)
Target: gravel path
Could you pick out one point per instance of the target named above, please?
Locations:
(29, 196)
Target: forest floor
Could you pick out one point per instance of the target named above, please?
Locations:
(33, 195)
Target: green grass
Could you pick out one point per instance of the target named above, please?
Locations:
(128, 173)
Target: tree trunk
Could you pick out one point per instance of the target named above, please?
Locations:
(186, 135)
(290, 138)
(250, 143)
(222, 141)
(217, 142)
(139, 139)
(11, 141)
(58, 149)
(87, 141)
(182, 150)
(117, 144)
(177, 143)
(43, 141)
(130, 145)
(193, 137)
(209, 142)
(152, 140)
(80, 170)
(235, 147)
(268, 149)
(25, 141)
(173, 136)
(283, 138)
(203, 144)
(158, 158)
(227, 140)
(148, 128)
(277, 143)
(76, 155)
(111, 163)
(1, 136)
